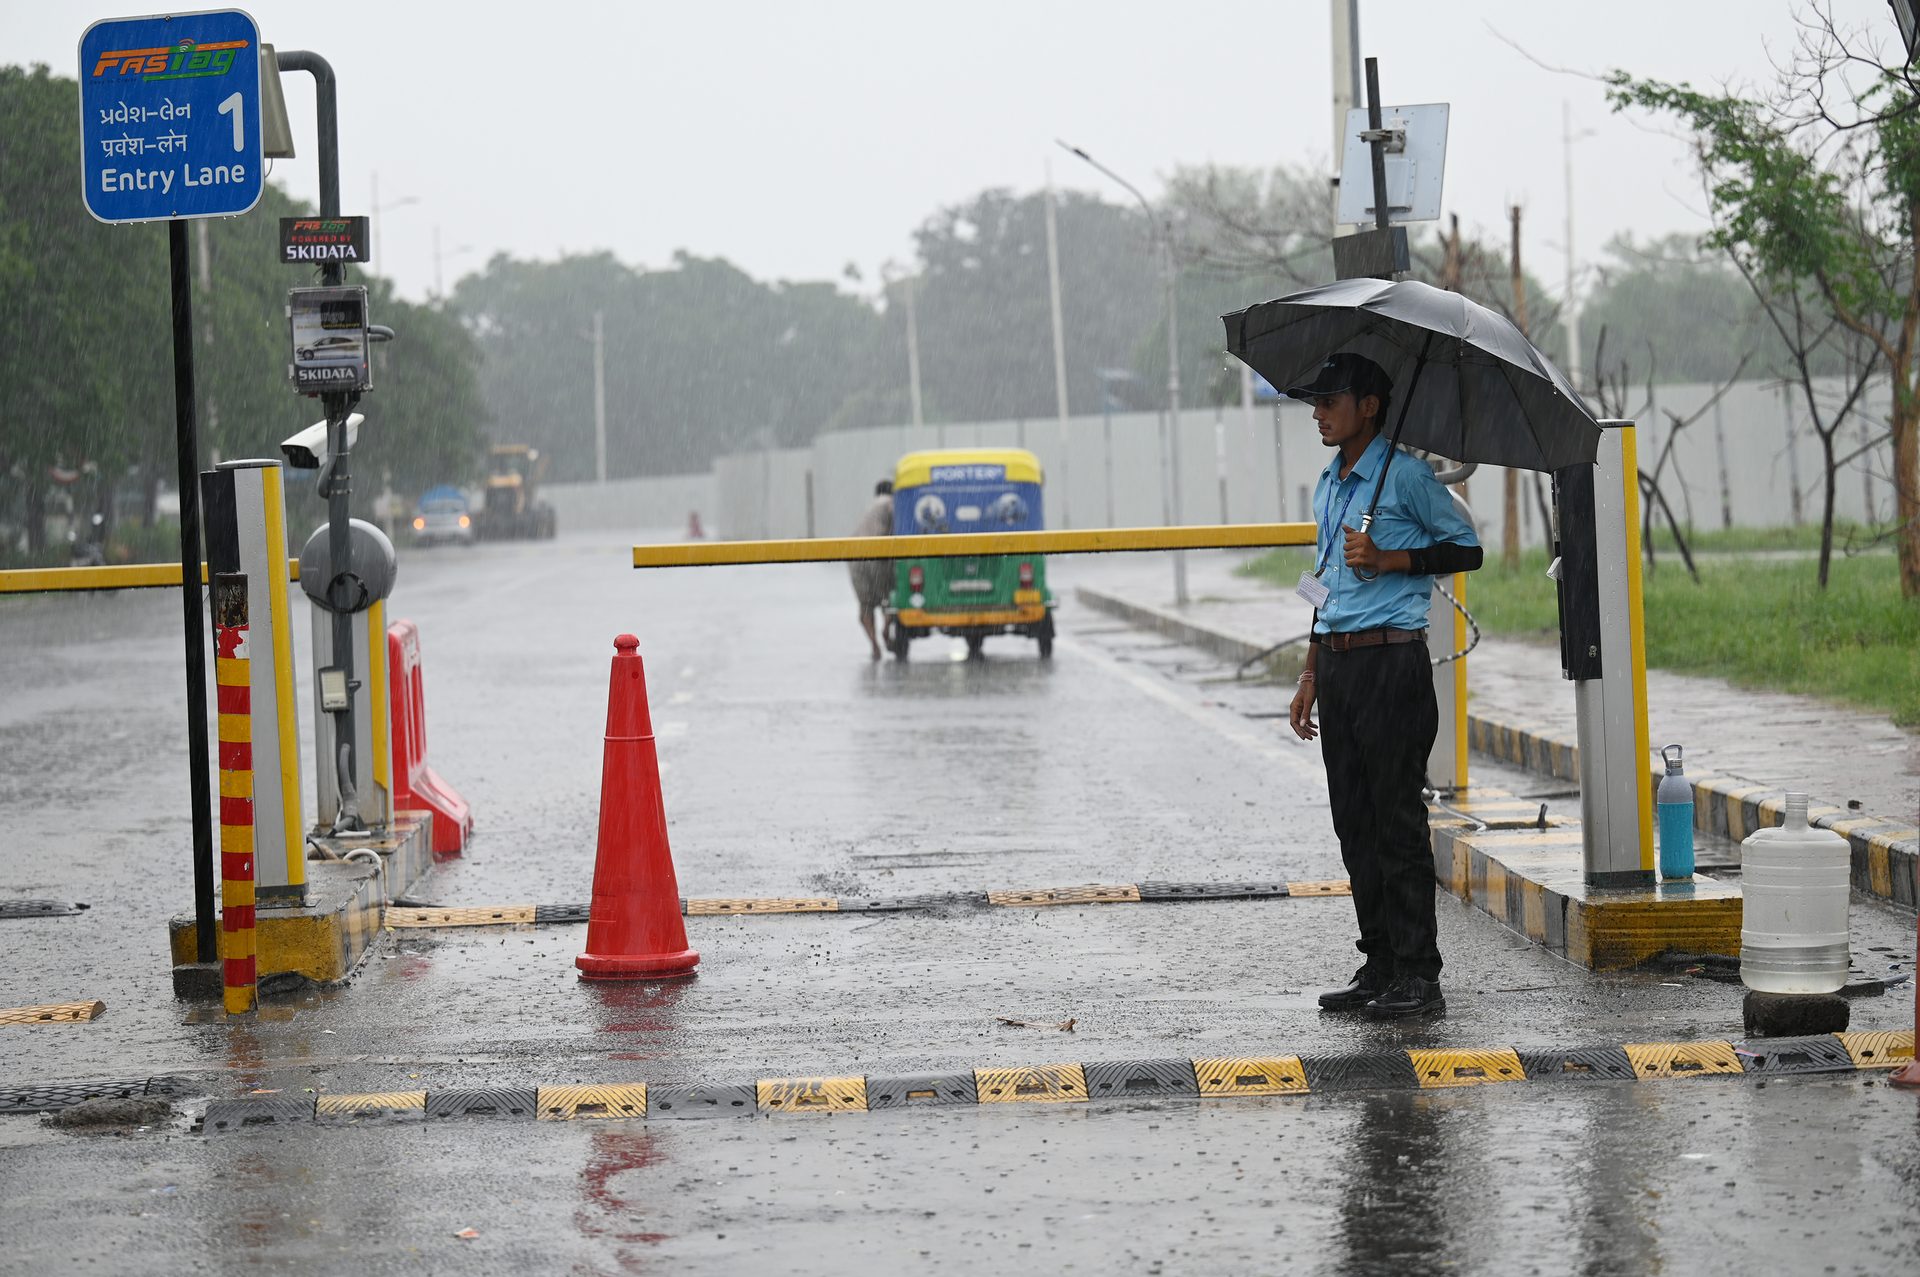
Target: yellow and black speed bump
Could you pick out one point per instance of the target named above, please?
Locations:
(51, 1099)
(1254, 1075)
(256, 1110)
(1878, 1050)
(1823, 1053)
(1034, 897)
(1437, 1070)
(811, 1094)
(38, 908)
(796, 904)
(890, 904)
(54, 1013)
(569, 1103)
(1140, 1079)
(515, 1103)
(703, 1101)
(1223, 1078)
(1391, 1070)
(921, 1090)
(423, 915)
(1034, 1084)
(1682, 1059)
(1212, 890)
(1581, 1064)
(377, 1106)
(480, 916)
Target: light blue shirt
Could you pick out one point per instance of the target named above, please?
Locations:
(1415, 510)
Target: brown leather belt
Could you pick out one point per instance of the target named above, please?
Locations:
(1370, 638)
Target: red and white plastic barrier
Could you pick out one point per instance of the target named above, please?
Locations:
(416, 786)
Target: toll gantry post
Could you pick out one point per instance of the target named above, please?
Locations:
(1447, 633)
(246, 531)
(366, 788)
(1596, 542)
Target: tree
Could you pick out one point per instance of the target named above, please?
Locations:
(700, 358)
(1819, 187)
(86, 372)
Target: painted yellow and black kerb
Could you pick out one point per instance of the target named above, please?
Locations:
(1088, 1083)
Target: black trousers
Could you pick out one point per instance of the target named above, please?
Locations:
(1378, 718)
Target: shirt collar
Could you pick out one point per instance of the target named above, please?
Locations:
(1365, 466)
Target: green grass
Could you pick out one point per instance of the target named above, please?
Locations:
(129, 543)
(1761, 624)
(1734, 540)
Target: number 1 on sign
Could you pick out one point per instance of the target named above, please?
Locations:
(232, 107)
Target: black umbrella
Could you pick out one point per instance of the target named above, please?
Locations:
(1466, 384)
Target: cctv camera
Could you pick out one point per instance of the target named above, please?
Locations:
(308, 449)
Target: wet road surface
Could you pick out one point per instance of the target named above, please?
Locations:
(794, 767)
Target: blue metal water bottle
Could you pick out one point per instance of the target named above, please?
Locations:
(1674, 801)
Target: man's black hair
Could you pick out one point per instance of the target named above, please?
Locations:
(884, 488)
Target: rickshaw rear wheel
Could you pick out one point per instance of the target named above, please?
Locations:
(974, 643)
(1046, 638)
(897, 640)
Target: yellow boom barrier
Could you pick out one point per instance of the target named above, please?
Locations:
(959, 545)
(133, 576)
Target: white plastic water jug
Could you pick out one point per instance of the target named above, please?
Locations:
(1793, 931)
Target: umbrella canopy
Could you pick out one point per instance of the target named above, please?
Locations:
(1466, 384)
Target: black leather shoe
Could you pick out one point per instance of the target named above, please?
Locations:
(1367, 985)
(1408, 995)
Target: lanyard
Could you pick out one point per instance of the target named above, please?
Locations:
(1340, 520)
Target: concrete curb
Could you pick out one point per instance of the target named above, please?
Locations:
(1886, 853)
(1214, 640)
(1069, 1083)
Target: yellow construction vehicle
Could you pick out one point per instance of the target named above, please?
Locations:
(509, 506)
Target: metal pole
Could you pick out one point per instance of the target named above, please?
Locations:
(913, 364)
(327, 113)
(1377, 148)
(187, 445)
(1059, 347)
(599, 397)
(1568, 302)
(1170, 445)
(1345, 24)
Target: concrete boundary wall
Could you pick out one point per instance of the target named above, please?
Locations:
(1752, 461)
(631, 504)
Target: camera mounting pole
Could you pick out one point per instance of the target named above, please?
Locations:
(335, 479)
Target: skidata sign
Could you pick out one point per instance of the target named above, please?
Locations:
(328, 327)
(170, 116)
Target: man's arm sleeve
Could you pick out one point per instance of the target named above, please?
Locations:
(1444, 559)
(1455, 548)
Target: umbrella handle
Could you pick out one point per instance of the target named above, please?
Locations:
(1393, 444)
(1366, 521)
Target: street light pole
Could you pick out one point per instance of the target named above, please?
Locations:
(599, 397)
(376, 208)
(1170, 436)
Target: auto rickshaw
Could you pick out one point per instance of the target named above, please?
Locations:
(969, 490)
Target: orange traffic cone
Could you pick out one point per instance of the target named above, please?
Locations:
(634, 931)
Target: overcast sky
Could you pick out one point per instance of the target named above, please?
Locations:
(794, 138)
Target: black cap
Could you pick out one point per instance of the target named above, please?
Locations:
(1342, 372)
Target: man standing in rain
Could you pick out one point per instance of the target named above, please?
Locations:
(1367, 665)
(873, 578)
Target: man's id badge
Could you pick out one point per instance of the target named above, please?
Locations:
(1313, 590)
